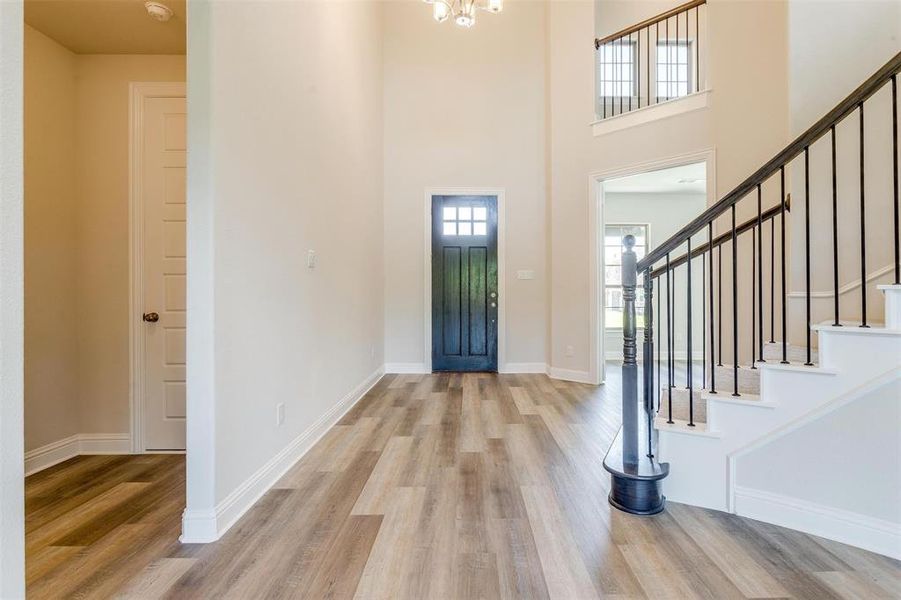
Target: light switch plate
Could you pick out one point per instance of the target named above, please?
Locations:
(311, 259)
(525, 274)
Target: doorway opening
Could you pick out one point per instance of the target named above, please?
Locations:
(650, 202)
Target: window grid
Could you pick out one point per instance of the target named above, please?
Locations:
(617, 69)
(464, 220)
(673, 69)
(613, 289)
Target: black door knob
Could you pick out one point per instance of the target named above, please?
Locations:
(151, 317)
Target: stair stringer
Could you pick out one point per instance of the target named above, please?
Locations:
(700, 475)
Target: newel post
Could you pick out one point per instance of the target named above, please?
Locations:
(636, 477)
(630, 350)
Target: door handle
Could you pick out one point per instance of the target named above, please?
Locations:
(151, 317)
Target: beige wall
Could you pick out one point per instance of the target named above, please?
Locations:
(285, 157)
(103, 268)
(465, 109)
(51, 252)
(77, 282)
(746, 124)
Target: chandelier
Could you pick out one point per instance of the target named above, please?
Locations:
(463, 11)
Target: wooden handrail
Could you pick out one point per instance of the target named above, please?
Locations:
(795, 148)
(725, 238)
(598, 42)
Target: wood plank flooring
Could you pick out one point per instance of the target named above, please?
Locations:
(445, 486)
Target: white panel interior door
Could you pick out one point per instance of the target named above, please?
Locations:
(163, 194)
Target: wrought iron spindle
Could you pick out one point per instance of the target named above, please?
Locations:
(734, 306)
(807, 247)
(631, 59)
(782, 258)
(772, 280)
(895, 176)
(647, 367)
(835, 294)
(760, 274)
(863, 230)
(688, 356)
(669, 345)
(659, 380)
(712, 349)
(697, 51)
(753, 297)
(719, 304)
(704, 320)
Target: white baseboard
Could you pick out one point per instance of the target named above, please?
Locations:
(524, 368)
(406, 368)
(875, 535)
(570, 375)
(74, 445)
(202, 526)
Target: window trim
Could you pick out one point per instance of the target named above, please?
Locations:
(635, 74)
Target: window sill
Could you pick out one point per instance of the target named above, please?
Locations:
(655, 112)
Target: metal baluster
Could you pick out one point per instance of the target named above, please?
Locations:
(669, 345)
(648, 369)
(734, 306)
(809, 363)
(689, 358)
(782, 252)
(619, 74)
(638, 68)
(895, 175)
(719, 304)
(670, 59)
(631, 62)
(835, 322)
(659, 380)
(668, 70)
(760, 274)
(712, 348)
(753, 297)
(648, 69)
(697, 53)
(773, 280)
(863, 230)
(704, 320)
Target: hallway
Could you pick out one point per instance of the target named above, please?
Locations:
(439, 486)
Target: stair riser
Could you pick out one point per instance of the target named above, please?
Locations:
(681, 405)
(892, 306)
(773, 353)
(748, 379)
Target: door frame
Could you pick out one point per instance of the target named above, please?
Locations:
(138, 92)
(501, 271)
(596, 223)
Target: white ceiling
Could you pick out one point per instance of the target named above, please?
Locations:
(108, 26)
(689, 179)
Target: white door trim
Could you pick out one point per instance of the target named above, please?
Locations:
(138, 92)
(501, 271)
(596, 249)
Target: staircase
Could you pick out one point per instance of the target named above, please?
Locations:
(702, 417)
(779, 394)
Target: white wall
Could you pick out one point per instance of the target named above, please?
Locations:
(862, 36)
(746, 125)
(465, 109)
(284, 155)
(12, 495)
(665, 213)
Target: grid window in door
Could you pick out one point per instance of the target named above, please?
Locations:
(616, 65)
(613, 276)
(673, 69)
(464, 220)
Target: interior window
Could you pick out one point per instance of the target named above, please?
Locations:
(613, 260)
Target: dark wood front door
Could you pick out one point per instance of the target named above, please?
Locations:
(464, 283)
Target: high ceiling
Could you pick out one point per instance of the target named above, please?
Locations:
(688, 179)
(108, 26)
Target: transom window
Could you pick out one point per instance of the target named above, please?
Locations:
(673, 69)
(465, 220)
(617, 69)
(613, 272)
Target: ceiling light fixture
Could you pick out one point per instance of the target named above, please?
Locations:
(158, 11)
(463, 11)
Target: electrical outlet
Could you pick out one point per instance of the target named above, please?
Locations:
(280, 414)
(570, 351)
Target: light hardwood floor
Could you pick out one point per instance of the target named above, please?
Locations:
(443, 486)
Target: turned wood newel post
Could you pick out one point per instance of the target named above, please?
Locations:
(635, 474)
(630, 364)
